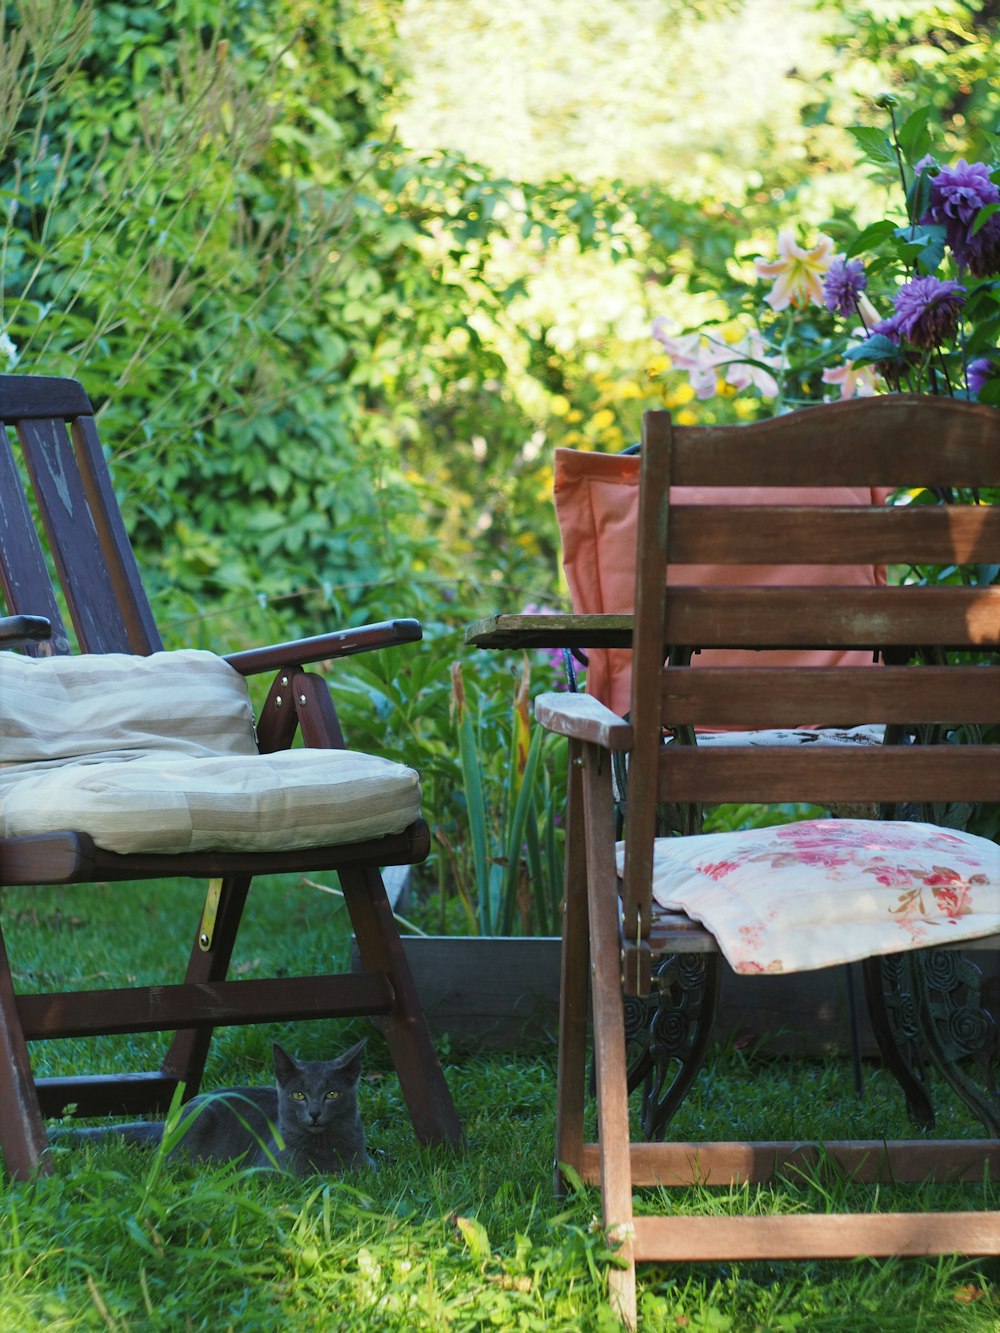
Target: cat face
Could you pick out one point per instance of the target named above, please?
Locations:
(314, 1095)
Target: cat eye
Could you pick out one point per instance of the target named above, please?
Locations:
(332, 1096)
(298, 1096)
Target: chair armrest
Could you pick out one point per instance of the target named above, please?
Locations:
(17, 630)
(320, 648)
(583, 718)
(551, 631)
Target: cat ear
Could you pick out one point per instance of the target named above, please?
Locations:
(350, 1062)
(284, 1066)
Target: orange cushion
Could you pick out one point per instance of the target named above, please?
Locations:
(597, 505)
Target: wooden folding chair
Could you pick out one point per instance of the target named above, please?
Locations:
(83, 539)
(597, 506)
(614, 928)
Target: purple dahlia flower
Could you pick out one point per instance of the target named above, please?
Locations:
(889, 328)
(980, 371)
(927, 311)
(845, 279)
(982, 252)
(957, 195)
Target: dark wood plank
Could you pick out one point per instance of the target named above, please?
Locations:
(119, 558)
(23, 397)
(22, 1133)
(73, 537)
(673, 932)
(551, 631)
(854, 443)
(69, 858)
(322, 647)
(788, 697)
(24, 576)
(908, 1161)
(809, 535)
(17, 630)
(828, 774)
(832, 617)
(212, 1004)
(106, 1094)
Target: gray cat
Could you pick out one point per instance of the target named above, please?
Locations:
(313, 1106)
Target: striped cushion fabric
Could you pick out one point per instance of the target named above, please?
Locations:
(189, 702)
(179, 770)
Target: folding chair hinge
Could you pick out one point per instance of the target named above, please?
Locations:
(206, 931)
(636, 961)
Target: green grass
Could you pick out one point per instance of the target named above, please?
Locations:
(115, 1239)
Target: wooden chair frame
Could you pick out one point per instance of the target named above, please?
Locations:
(612, 929)
(100, 582)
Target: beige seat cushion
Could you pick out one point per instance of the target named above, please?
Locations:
(157, 755)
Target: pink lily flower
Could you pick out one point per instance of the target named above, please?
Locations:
(797, 272)
(854, 381)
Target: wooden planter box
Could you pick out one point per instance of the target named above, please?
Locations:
(489, 992)
(502, 993)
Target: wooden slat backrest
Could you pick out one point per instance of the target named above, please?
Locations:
(780, 697)
(767, 535)
(831, 617)
(24, 577)
(936, 447)
(896, 441)
(85, 534)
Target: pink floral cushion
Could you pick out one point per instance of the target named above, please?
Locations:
(827, 891)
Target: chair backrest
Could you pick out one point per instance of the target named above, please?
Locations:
(58, 513)
(597, 507)
(895, 440)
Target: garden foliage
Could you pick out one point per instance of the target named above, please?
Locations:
(331, 367)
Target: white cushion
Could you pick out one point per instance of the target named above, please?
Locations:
(189, 702)
(180, 771)
(820, 892)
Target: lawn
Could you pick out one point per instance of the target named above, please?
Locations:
(116, 1239)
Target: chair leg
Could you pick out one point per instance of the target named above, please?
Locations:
(571, 1077)
(22, 1130)
(609, 1041)
(432, 1111)
(186, 1056)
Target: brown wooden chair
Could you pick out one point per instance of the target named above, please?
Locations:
(83, 538)
(614, 928)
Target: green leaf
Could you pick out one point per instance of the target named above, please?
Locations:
(875, 144)
(925, 245)
(918, 196)
(476, 814)
(914, 137)
(525, 801)
(876, 348)
(983, 216)
(871, 238)
(476, 1237)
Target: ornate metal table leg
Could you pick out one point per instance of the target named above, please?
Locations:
(892, 1008)
(961, 1035)
(668, 1034)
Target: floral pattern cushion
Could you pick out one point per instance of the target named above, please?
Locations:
(820, 892)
